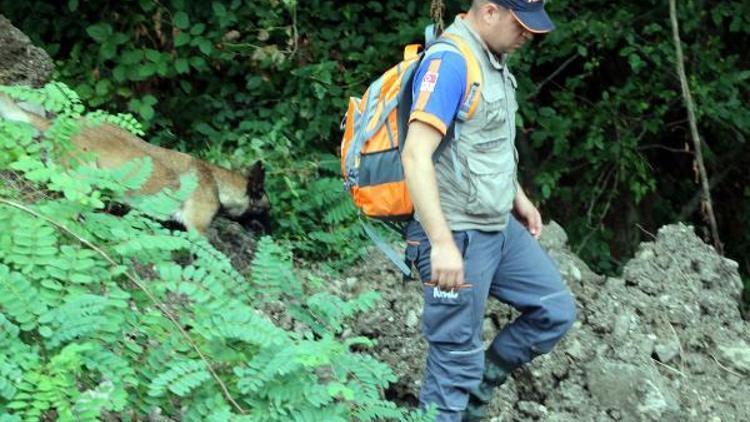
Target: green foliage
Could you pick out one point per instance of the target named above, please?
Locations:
(603, 136)
(105, 317)
(244, 76)
(605, 130)
(240, 81)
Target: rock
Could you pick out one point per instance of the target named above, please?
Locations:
(637, 392)
(614, 385)
(622, 325)
(666, 351)
(655, 403)
(575, 350)
(21, 63)
(553, 236)
(575, 273)
(489, 331)
(350, 282)
(412, 319)
(736, 356)
(532, 410)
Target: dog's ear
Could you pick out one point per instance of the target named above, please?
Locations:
(256, 180)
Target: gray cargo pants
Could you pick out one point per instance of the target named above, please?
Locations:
(509, 265)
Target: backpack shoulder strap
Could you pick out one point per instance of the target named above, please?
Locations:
(473, 75)
(471, 94)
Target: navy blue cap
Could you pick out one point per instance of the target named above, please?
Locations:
(530, 14)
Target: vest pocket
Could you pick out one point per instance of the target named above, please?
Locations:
(448, 316)
(491, 179)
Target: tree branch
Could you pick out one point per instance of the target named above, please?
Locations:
(552, 75)
(695, 201)
(706, 191)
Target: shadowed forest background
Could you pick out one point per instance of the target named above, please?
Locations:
(603, 132)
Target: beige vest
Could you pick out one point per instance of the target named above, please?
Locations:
(476, 172)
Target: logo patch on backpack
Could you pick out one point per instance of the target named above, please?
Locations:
(428, 82)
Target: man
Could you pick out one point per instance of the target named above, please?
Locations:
(475, 230)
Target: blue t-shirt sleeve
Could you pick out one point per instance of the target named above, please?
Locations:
(438, 89)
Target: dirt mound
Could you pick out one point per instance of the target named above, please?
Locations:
(663, 342)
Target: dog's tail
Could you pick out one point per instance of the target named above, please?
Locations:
(11, 110)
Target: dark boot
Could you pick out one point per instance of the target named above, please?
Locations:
(494, 376)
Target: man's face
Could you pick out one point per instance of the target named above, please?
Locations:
(504, 33)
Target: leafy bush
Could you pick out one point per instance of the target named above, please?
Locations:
(106, 317)
(602, 128)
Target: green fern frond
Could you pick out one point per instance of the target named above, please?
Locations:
(6, 417)
(273, 272)
(147, 243)
(91, 403)
(28, 243)
(80, 316)
(380, 411)
(331, 413)
(55, 97)
(115, 369)
(206, 256)
(76, 265)
(329, 163)
(244, 324)
(333, 310)
(266, 366)
(212, 408)
(166, 202)
(16, 140)
(10, 373)
(19, 299)
(53, 386)
(123, 120)
(341, 211)
(8, 331)
(181, 378)
(127, 177)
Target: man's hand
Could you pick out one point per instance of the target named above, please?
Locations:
(445, 260)
(447, 265)
(527, 213)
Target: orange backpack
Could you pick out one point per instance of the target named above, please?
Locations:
(375, 128)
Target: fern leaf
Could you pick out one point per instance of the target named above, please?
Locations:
(30, 243)
(181, 378)
(91, 403)
(273, 273)
(212, 408)
(242, 323)
(163, 204)
(81, 315)
(19, 299)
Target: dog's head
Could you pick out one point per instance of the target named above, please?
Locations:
(257, 217)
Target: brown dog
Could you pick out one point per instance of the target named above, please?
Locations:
(241, 196)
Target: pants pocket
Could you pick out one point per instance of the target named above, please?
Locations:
(417, 253)
(448, 316)
(411, 256)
